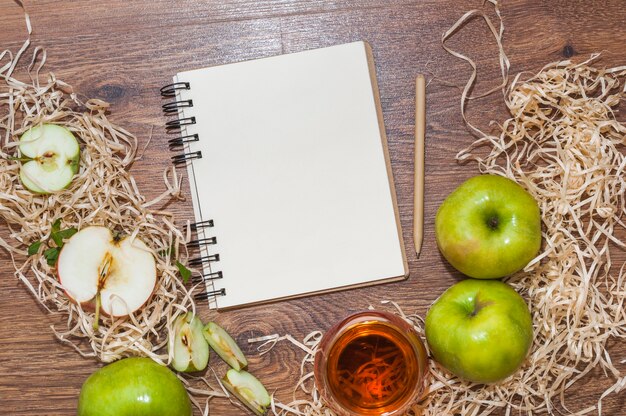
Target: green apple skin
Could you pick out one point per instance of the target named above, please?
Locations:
(489, 227)
(133, 387)
(480, 330)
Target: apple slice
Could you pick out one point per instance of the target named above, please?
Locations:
(189, 349)
(112, 274)
(51, 155)
(248, 389)
(225, 346)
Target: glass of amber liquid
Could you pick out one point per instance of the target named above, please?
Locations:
(370, 363)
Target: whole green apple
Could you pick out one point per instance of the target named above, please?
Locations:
(480, 330)
(489, 227)
(133, 387)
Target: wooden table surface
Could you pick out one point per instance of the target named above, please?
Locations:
(123, 52)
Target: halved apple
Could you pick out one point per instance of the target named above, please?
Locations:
(225, 346)
(248, 389)
(189, 349)
(51, 157)
(115, 275)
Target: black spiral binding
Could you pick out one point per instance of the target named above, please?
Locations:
(185, 157)
(207, 295)
(179, 142)
(202, 242)
(199, 260)
(172, 108)
(169, 90)
(175, 125)
(208, 276)
(176, 144)
(201, 224)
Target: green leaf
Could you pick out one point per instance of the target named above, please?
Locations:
(34, 248)
(59, 236)
(185, 273)
(56, 226)
(51, 255)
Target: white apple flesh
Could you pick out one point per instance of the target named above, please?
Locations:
(121, 272)
(51, 157)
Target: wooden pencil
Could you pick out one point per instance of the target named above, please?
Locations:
(418, 196)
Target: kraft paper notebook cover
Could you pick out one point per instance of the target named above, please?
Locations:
(290, 176)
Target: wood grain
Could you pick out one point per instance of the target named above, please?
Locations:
(124, 51)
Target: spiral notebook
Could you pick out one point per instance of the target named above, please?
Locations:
(290, 177)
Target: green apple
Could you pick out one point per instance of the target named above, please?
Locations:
(480, 330)
(189, 349)
(489, 227)
(225, 346)
(51, 157)
(133, 387)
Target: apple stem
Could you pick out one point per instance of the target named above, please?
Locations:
(96, 321)
(478, 305)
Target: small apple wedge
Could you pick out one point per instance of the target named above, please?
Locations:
(225, 346)
(51, 157)
(248, 389)
(115, 275)
(187, 345)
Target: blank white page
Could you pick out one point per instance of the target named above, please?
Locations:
(294, 173)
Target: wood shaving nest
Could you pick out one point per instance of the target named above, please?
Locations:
(102, 193)
(564, 145)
